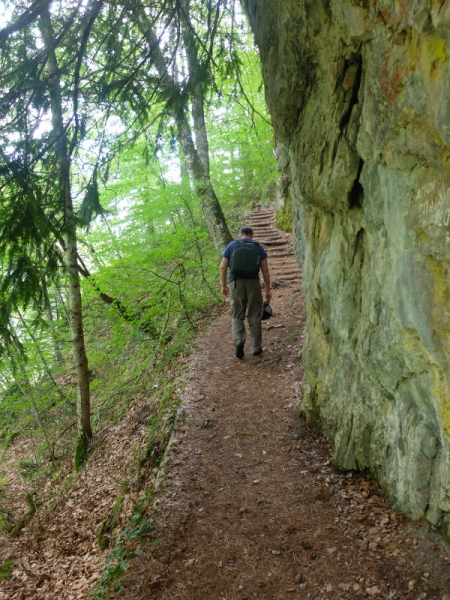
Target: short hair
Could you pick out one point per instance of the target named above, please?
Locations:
(246, 230)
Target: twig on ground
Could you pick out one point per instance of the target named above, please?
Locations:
(260, 462)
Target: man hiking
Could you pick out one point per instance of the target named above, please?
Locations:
(245, 258)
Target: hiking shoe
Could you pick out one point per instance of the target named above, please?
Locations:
(240, 351)
(258, 352)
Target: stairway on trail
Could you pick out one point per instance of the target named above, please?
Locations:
(284, 269)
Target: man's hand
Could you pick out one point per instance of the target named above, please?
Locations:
(223, 276)
(266, 277)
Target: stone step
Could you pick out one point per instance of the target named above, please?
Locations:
(272, 239)
(288, 246)
(263, 210)
(282, 272)
(262, 222)
(273, 243)
(281, 278)
(283, 259)
(283, 256)
(261, 218)
(283, 266)
(260, 228)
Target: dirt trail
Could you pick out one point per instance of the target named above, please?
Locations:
(251, 506)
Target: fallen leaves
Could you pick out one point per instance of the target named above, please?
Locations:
(373, 591)
(323, 494)
(344, 586)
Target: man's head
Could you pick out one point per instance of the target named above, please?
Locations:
(246, 232)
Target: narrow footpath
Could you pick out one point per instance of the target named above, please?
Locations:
(250, 505)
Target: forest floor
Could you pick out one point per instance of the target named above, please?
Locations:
(249, 504)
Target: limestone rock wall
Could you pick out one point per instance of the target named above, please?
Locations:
(359, 92)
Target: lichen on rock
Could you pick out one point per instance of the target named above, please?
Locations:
(358, 93)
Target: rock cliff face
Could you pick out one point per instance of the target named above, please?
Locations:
(359, 92)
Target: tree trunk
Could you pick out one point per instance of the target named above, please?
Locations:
(58, 356)
(69, 231)
(196, 84)
(197, 162)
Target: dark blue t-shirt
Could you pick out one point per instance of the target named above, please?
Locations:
(228, 253)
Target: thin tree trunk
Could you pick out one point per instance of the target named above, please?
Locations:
(69, 232)
(56, 349)
(198, 168)
(48, 305)
(41, 356)
(27, 392)
(199, 249)
(63, 304)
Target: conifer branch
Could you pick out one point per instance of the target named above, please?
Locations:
(25, 19)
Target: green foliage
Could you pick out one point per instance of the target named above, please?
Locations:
(118, 558)
(105, 532)
(241, 139)
(161, 427)
(3, 512)
(162, 269)
(6, 569)
(28, 468)
(27, 253)
(90, 207)
(147, 246)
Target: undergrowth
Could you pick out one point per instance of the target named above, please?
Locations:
(6, 569)
(3, 511)
(133, 373)
(125, 548)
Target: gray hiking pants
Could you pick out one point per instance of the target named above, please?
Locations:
(246, 295)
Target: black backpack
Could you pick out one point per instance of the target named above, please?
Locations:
(245, 260)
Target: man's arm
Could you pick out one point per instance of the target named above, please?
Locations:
(266, 276)
(223, 275)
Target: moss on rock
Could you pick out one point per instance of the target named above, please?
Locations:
(284, 217)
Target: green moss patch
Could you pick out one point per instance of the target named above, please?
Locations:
(6, 569)
(284, 217)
